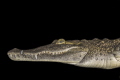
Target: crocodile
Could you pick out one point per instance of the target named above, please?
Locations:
(95, 53)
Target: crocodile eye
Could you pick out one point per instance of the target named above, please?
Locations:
(60, 41)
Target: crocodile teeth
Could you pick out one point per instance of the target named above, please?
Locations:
(35, 56)
(59, 52)
(53, 53)
(21, 52)
(40, 52)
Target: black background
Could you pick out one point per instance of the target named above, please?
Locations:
(27, 25)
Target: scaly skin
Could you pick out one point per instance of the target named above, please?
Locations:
(94, 53)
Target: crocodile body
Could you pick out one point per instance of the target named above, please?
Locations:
(94, 53)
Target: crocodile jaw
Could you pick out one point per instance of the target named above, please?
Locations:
(56, 53)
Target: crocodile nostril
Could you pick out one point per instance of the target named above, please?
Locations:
(9, 54)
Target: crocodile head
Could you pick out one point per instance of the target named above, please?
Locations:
(58, 51)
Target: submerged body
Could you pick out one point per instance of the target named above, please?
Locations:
(84, 53)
